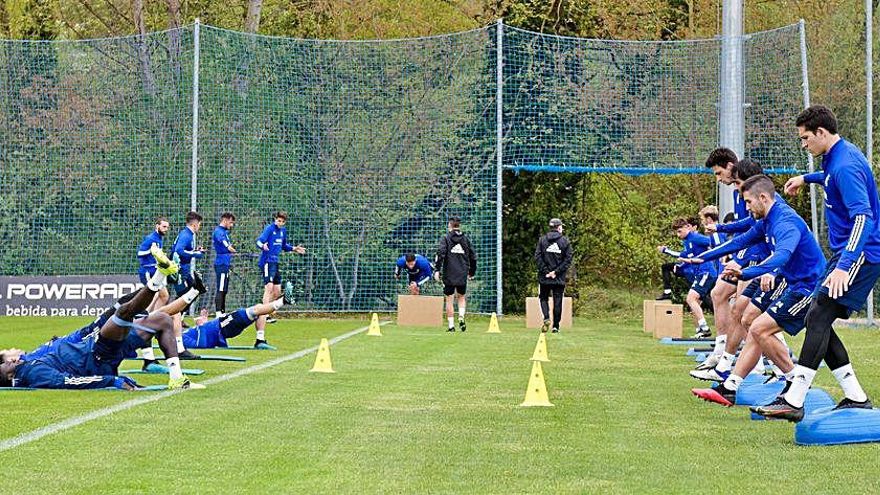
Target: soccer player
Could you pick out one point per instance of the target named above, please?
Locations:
(223, 261)
(93, 362)
(708, 218)
(457, 262)
(214, 333)
(185, 251)
(728, 320)
(417, 267)
(553, 255)
(702, 277)
(797, 258)
(852, 211)
(272, 241)
(148, 262)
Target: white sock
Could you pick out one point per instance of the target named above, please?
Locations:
(174, 371)
(190, 296)
(276, 304)
(218, 314)
(147, 353)
(852, 389)
(797, 393)
(789, 377)
(261, 335)
(461, 311)
(451, 321)
(667, 291)
(726, 362)
(720, 344)
(733, 382)
(180, 347)
(702, 323)
(157, 281)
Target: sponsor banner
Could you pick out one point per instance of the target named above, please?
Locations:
(75, 295)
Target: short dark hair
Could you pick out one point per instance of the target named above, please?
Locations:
(759, 184)
(680, 222)
(731, 216)
(280, 214)
(409, 257)
(193, 217)
(228, 215)
(746, 168)
(160, 220)
(455, 222)
(720, 157)
(816, 116)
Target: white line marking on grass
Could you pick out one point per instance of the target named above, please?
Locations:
(31, 436)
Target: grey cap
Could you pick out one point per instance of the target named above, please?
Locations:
(555, 222)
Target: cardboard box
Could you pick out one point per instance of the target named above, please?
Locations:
(420, 311)
(534, 318)
(648, 315)
(668, 320)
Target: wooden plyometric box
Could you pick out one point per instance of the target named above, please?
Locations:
(668, 320)
(534, 317)
(648, 315)
(419, 311)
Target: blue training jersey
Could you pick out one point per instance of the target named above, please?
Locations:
(205, 336)
(185, 247)
(221, 244)
(796, 256)
(68, 364)
(276, 239)
(851, 204)
(420, 270)
(694, 244)
(146, 259)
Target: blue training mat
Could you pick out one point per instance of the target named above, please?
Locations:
(690, 342)
(816, 400)
(828, 427)
(205, 357)
(148, 388)
(138, 371)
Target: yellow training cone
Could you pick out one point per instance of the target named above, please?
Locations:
(493, 325)
(540, 353)
(536, 394)
(322, 360)
(374, 327)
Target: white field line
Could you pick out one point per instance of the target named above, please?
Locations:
(34, 435)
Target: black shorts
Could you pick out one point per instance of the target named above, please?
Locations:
(451, 289)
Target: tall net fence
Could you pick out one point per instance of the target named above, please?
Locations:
(370, 146)
(639, 107)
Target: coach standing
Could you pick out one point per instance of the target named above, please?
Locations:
(553, 256)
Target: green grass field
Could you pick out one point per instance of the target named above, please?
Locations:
(423, 411)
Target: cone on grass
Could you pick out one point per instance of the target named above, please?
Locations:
(536, 394)
(375, 331)
(540, 353)
(493, 325)
(322, 359)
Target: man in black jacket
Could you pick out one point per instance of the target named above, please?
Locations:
(457, 262)
(553, 255)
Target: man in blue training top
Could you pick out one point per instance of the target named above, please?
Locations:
(272, 241)
(417, 267)
(852, 211)
(93, 362)
(708, 217)
(223, 251)
(702, 277)
(185, 251)
(148, 262)
(729, 319)
(214, 333)
(797, 259)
